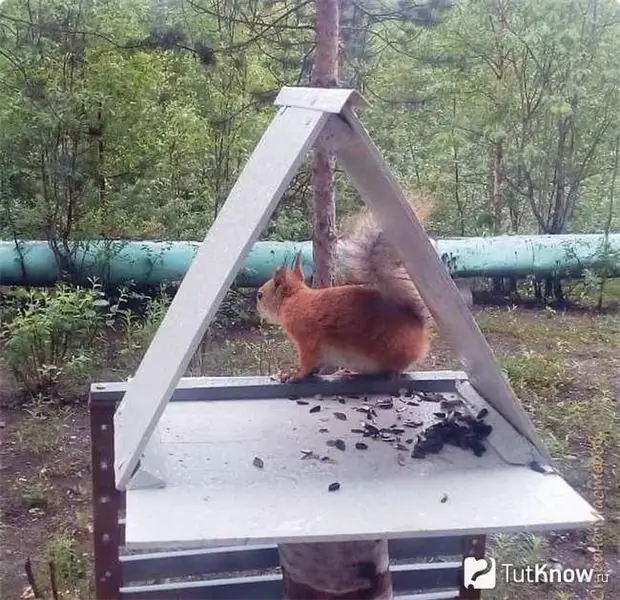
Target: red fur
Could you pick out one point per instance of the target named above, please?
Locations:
(350, 326)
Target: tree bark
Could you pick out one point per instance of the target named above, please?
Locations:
(324, 74)
(343, 571)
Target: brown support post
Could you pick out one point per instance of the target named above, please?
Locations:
(336, 571)
(472, 546)
(106, 503)
(324, 75)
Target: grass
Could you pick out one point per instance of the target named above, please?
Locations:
(553, 330)
(531, 373)
(63, 551)
(519, 550)
(34, 494)
(263, 354)
(43, 427)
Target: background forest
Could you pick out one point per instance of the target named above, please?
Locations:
(131, 119)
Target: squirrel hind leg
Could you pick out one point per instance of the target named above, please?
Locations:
(308, 365)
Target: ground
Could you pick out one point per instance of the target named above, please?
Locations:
(565, 367)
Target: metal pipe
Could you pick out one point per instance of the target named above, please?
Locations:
(151, 263)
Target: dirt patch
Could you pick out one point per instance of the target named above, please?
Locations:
(45, 498)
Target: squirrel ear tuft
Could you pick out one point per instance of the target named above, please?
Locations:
(279, 276)
(297, 266)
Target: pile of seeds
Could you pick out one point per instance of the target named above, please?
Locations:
(456, 429)
(453, 428)
(406, 435)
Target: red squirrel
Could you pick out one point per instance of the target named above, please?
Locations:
(372, 321)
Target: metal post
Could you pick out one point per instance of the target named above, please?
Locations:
(106, 501)
(342, 570)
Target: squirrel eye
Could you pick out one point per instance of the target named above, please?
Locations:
(259, 295)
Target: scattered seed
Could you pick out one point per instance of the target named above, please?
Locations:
(333, 487)
(431, 397)
(418, 453)
(409, 441)
(315, 409)
(413, 424)
(483, 413)
(302, 402)
(340, 445)
(342, 400)
(259, 463)
(440, 415)
(331, 443)
(340, 416)
(293, 397)
(371, 429)
(312, 456)
(327, 459)
(323, 430)
(360, 431)
(361, 446)
(412, 403)
(444, 498)
(448, 404)
(401, 409)
(386, 404)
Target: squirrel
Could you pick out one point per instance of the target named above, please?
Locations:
(372, 321)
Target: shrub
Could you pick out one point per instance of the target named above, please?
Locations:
(50, 338)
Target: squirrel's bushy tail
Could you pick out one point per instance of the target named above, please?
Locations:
(369, 259)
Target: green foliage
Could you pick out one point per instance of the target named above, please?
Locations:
(62, 550)
(43, 428)
(132, 120)
(138, 330)
(520, 550)
(34, 494)
(50, 339)
(535, 374)
(264, 355)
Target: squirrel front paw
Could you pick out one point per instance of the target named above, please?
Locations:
(343, 375)
(295, 376)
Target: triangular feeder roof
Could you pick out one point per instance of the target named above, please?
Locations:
(305, 116)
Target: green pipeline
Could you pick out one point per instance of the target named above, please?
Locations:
(152, 263)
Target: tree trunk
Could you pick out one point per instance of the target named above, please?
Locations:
(342, 570)
(324, 74)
